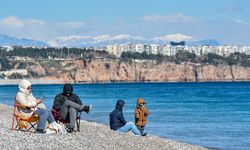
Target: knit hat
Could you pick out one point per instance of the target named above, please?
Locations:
(67, 89)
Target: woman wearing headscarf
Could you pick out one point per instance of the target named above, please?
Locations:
(34, 106)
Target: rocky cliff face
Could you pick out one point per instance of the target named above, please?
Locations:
(129, 71)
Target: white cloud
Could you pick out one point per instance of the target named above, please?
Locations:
(74, 24)
(173, 18)
(175, 37)
(238, 21)
(34, 22)
(13, 22)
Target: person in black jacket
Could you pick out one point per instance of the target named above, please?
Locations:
(69, 104)
(118, 123)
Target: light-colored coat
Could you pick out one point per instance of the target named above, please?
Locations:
(26, 98)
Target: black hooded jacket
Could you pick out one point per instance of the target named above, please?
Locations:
(116, 119)
(60, 98)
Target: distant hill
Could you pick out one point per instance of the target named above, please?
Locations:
(103, 40)
(209, 42)
(6, 40)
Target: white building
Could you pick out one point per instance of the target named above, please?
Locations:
(166, 50)
(155, 49)
(114, 49)
(23, 72)
(139, 48)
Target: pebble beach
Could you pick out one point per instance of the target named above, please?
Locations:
(91, 136)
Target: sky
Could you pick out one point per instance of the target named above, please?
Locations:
(227, 21)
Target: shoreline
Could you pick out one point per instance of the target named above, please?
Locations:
(44, 81)
(92, 135)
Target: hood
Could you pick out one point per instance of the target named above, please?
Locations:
(23, 86)
(140, 101)
(119, 104)
(67, 89)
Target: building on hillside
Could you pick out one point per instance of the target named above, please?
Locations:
(7, 48)
(166, 50)
(114, 49)
(155, 49)
(139, 48)
(22, 72)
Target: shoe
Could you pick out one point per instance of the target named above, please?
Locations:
(144, 134)
(40, 131)
(70, 130)
(87, 108)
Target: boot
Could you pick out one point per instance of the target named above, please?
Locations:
(70, 129)
(87, 108)
(144, 134)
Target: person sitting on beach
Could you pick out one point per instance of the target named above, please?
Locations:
(69, 104)
(118, 123)
(26, 98)
(141, 112)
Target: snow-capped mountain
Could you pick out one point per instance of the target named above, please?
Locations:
(6, 40)
(88, 41)
(103, 40)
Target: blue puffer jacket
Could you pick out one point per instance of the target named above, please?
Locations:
(116, 119)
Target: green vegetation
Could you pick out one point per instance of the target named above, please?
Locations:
(4, 64)
(184, 56)
(51, 63)
(54, 53)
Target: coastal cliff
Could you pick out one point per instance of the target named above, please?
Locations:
(105, 70)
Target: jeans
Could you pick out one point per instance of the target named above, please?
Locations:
(44, 115)
(141, 128)
(129, 126)
(71, 108)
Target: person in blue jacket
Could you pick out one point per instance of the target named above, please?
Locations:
(118, 123)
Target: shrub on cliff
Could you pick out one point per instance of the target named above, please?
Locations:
(238, 59)
(5, 64)
(185, 56)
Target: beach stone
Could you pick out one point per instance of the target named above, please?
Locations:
(93, 136)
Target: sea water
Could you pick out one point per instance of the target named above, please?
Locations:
(213, 115)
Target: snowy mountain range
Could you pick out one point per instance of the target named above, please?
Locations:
(6, 40)
(104, 40)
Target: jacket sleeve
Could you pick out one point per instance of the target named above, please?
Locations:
(145, 110)
(22, 99)
(121, 118)
(77, 99)
(137, 115)
(57, 101)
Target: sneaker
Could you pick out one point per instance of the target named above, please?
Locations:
(144, 134)
(70, 130)
(40, 131)
(87, 108)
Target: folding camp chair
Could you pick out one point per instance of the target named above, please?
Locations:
(23, 123)
(58, 119)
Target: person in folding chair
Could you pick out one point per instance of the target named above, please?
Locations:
(69, 105)
(34, 106)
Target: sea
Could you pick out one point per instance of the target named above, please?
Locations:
(208, 114)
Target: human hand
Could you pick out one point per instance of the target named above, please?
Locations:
(38, 101)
